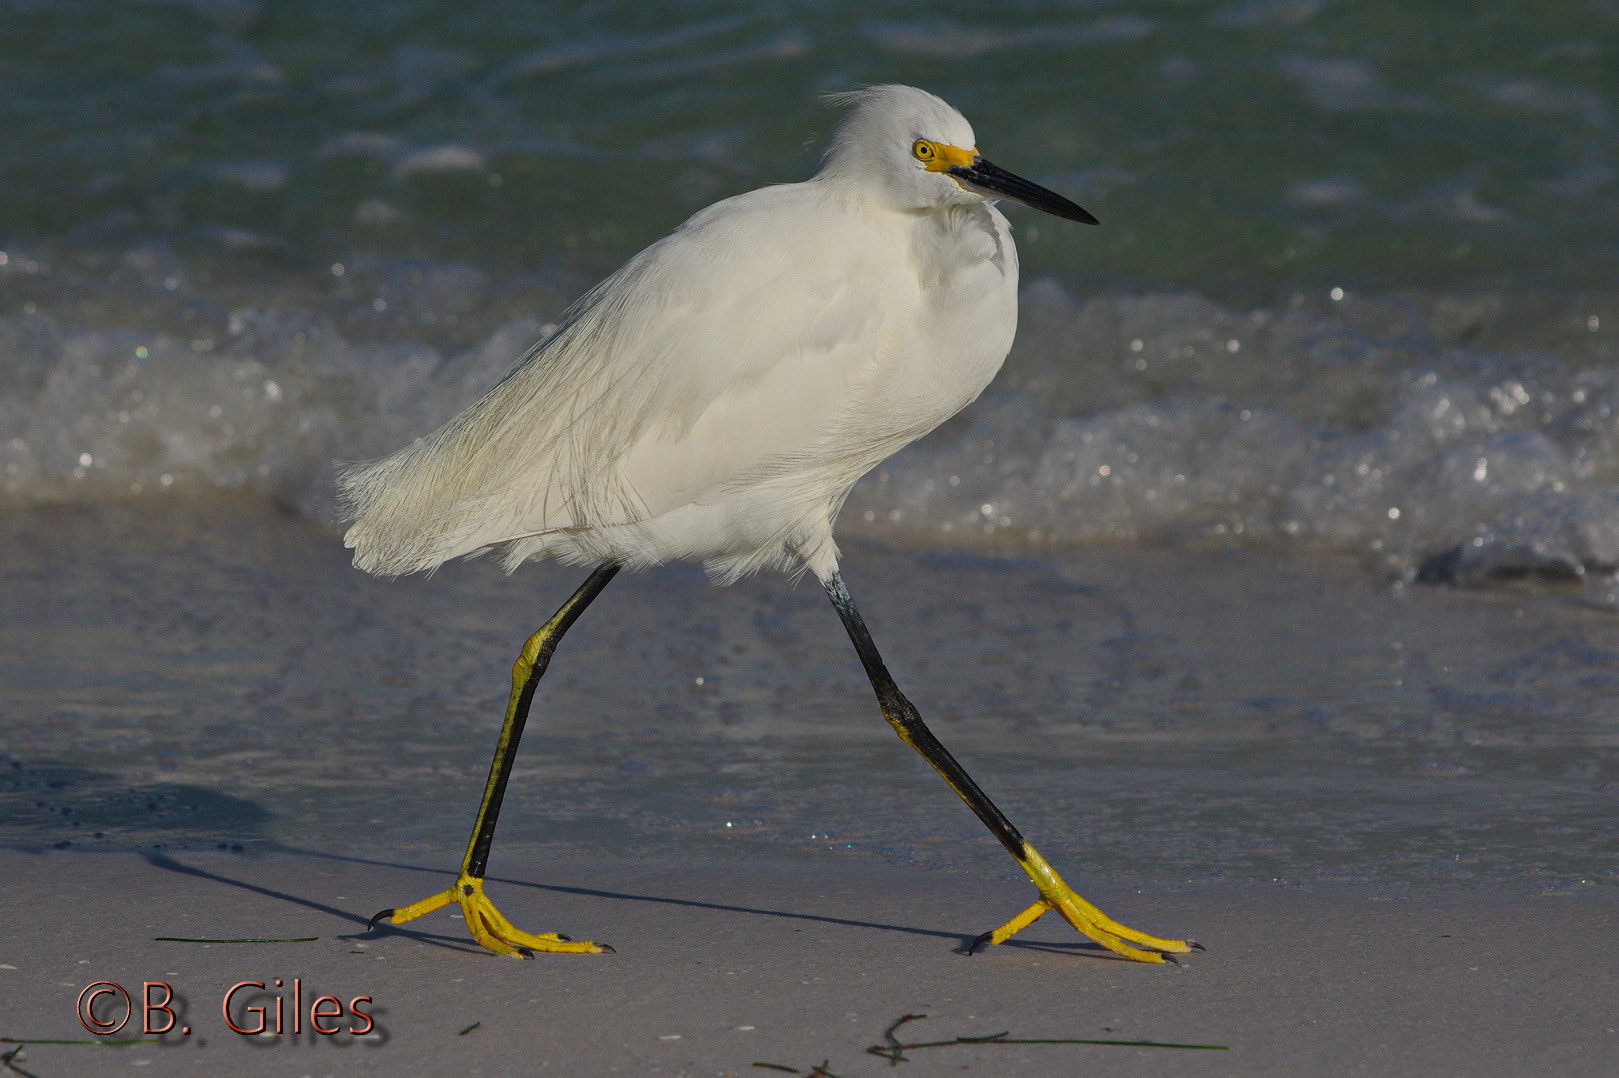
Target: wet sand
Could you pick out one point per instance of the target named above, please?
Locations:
(1387, 811)
(722, 966)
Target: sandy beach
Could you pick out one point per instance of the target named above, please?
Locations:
(723, 966)
(1401, 858)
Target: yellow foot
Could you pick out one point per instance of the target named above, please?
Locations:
(1092, 922)
(487, 925)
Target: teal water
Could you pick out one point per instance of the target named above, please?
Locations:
(1226, 145)
(1352, 288)
(1352, 292)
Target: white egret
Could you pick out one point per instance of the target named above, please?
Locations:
(715, 400)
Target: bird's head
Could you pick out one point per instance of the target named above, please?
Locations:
(915, 152)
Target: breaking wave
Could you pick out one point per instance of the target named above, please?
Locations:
(1453, 437)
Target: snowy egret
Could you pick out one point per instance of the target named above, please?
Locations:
(715, 400)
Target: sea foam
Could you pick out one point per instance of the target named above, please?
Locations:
(1374, 425)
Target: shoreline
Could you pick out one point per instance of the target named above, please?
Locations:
(720, 966)
(1386, 811)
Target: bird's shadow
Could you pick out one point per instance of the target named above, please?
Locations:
(962, 942)
(169, 864)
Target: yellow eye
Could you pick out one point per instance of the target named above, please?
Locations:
(922, 150)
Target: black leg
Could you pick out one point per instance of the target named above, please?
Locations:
(907, 723)
(526, 674)
(1054, 893)
(487, 925)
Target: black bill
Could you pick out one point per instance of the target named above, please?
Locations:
(995, 182)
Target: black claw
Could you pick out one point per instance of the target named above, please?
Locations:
(525, 952)
(607, 948)
(980, 941)
(381, 914)
(1171, 959)
(564, 938)
(1196, 946)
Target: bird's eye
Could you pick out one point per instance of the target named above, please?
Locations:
(922, 149)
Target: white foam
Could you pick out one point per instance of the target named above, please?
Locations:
(446, 158)
(1358, 425)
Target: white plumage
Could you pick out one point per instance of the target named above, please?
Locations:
(716, 398)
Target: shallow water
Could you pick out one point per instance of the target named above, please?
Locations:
(1351, 306)
(216, 674)
(1352, 291)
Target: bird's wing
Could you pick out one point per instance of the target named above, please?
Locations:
(723, 349)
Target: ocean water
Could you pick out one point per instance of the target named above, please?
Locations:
(1349, 321)
(1352, 289)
